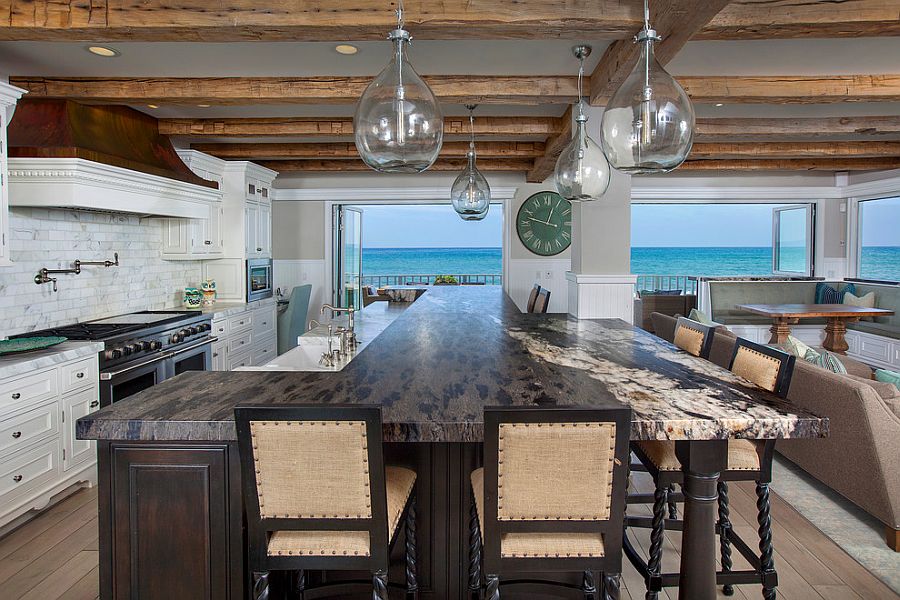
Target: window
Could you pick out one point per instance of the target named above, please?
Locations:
(878, 240)
(792, 234)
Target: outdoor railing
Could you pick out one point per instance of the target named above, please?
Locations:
(686, 283)
(428, 279)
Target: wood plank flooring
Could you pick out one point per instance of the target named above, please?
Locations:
(54, 556)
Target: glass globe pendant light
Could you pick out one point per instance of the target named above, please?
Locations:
(470, 193)
(582, 171)
(398, 126)
(648, 125)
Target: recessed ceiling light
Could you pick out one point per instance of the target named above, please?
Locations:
(346, 49)
(203, 105)
(719, 104)
(152, 106)
(104, 51)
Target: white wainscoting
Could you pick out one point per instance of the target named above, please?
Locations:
(550, 273)
(812, 335)
(291, 273)
(601, 296)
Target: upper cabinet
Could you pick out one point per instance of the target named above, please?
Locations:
(8, 97)
(248, 210)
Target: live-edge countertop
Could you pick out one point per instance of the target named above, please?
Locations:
(458, 349)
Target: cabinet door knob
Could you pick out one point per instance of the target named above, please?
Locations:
(259, 249)
(94, 404)
(17, 478)
(16, 395)
(79, 375)
(208, 243)
(17, 434)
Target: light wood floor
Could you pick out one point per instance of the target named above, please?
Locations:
(55, 555)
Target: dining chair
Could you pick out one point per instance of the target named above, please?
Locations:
(748, 460)
(543, 301)
(532, 298)
(550, 498)
(318, 496)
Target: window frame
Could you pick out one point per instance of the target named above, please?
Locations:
(854, 237)
(810, 209)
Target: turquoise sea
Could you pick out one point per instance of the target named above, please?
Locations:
(878, 262)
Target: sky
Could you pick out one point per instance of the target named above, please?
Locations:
(652, 225)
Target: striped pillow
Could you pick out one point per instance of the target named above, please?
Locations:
(825, 359)
(825, 294)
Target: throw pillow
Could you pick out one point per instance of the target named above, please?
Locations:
(827, 360)
(888, 377)
(825, 294)
(866, 301)
(796, 347)
(702, 318)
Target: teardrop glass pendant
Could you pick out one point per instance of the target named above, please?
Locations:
(582, 171)
(470, 193)
(398, 126)
(648, 125)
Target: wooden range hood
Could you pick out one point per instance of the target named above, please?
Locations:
(113, 135)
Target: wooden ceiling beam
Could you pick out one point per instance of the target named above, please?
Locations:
(814, 164)
(546, 164)
(453, 89)
(792, 89)
(765, 19)
(442, 165)
(790, 129)
(311, 20)
(788, 150)
(330, 126)
(675, 20)
(347, 150)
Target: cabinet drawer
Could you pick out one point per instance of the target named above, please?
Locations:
(239, 360)
(27, 471)
(263, 351)
(28, 389)
(78, 375)
(874, 348)
(239, 344)
(263, 323)
(21, 429)
(220, 328)
(240, 322)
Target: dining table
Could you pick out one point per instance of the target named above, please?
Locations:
(452, 352)
(836, 318)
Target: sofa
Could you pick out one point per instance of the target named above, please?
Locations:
(859, 457)
(648, 302)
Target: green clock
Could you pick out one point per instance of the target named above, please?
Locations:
(544, 223)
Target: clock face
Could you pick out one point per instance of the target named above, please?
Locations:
(544, 223)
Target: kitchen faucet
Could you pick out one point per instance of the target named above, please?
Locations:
(351, 340)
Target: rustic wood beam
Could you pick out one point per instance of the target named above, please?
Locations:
(783, 129)
(765, 19)
(453, 89)
(814, 164)
(442, 165)
(546, 164)
(343, 127)
(347, 150)
(780, 150)
(312, 20)
(792, 89)
(675, 20)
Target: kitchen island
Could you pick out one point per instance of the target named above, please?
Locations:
(170, 503)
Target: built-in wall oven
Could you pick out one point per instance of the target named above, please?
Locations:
(259, 279)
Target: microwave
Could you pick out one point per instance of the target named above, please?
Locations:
(259, 279)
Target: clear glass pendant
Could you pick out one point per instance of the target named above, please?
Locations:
(582, 171)
(648, 125)
(398, 126)
(470, 193)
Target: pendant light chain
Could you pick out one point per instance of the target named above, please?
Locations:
(580, 83)
(472, 128)
(400, 15)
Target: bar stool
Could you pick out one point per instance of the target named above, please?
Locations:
(748, 460)
(543, 301)
(318, 496)
(532, 298)
(551, 497)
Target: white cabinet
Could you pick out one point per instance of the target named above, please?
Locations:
(258, 232)
(195, 239)
(245, 338)
(75, 406)
(8, 97)
(880, 351)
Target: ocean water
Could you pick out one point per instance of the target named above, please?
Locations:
(878, 262)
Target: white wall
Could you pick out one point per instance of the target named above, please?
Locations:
(55, 238)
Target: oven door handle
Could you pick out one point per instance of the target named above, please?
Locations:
(195, 346)
(113, 374)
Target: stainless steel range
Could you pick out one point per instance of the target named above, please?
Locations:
(144, 348)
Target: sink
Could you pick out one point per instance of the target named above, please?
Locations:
(305, 357)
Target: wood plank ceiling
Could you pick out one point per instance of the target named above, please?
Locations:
(513, 143)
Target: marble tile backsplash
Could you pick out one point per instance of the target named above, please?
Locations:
(55, 238)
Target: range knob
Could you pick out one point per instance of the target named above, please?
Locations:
(204, 327)
(184, 333)
(155, 345)
(176, 337)
(113, 354)
(126, 349)
(194, 330)
(136, 347)
(145, 346)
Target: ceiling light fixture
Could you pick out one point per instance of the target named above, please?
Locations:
(152, 106)
(718, 104)
(470, 193)
(346, 49)
(582, 171)
(104, 51)
(648, 125)
(203, 105)
(398, 126)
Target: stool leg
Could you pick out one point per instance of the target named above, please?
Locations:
(610, 586)
(412, 585)
(766, 562)
(380, 585)
(301, 584)
(656, 536)
(588, 586)
(260, 585)
(724, 531)
(673, 507)
(493, 587)
(474, 554)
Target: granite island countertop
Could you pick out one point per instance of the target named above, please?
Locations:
(458, 349)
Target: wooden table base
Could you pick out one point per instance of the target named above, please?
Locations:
(781, 329)
(835, 335)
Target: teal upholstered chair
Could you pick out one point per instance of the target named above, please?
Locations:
(292, 322)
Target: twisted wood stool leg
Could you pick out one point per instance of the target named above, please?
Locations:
(474, 554)
(379, 585)
(611, 586)
(412, 585)
(766, 562)
(724, 531)
(588, 586)
(493, 588)
(261, 585)
(673, 507)
(301, 584)
(656, 536)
